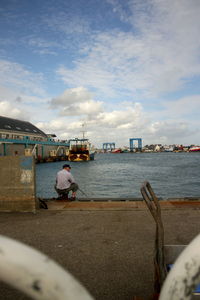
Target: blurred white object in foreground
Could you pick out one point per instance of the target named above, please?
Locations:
(36, 274)
(184, 275)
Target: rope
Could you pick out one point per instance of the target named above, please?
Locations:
(160, 271)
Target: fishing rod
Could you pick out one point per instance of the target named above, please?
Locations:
(83, 192)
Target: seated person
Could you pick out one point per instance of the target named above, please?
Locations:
(65, 183)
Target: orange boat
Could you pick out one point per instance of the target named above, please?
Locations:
(80, 150)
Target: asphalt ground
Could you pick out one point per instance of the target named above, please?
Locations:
(110, 251)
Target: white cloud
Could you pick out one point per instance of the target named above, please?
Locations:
(42, 46)
(159, 57)
(53, 125)
(67, 23)
(87, 108)
(129, 121)
(15, 77)
(77, 101)
(7, 110)
(22, 94)
(79, 94)
(125, 118)
(188, 106)
(116, 124)
(170, 132)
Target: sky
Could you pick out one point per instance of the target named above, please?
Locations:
(116, 69)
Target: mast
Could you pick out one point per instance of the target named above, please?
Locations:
(83, 131)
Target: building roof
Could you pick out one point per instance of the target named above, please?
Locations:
(9, 124)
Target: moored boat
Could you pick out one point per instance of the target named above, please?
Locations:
(194, 149)
(168, 149)
(118, 150)
(80, 150)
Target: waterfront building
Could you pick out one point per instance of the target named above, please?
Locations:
(19, 137)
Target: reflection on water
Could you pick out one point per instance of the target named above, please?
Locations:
(121, 175)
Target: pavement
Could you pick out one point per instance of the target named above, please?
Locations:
(107, 246)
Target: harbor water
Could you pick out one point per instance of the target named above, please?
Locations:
(120, 175)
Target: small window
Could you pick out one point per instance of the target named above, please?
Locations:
(7, 126)
(27, 129)
(18, 128)
(34, 130)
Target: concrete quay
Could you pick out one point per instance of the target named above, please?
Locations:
(120, 204)
(107, 246)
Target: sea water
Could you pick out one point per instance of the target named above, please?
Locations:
(119, 175)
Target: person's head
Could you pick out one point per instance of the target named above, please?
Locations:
(67, 167)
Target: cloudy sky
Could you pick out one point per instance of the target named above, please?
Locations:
(123, 68)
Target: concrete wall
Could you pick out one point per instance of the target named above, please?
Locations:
(17, 184)
(1, 149)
